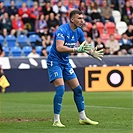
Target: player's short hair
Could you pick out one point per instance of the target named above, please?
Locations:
(72, 13)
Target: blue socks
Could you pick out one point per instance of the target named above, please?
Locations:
(58, 98)
(78, 98)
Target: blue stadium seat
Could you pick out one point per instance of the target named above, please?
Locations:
(16, 51)
(24, 0)
(22, 40)
(2, 39)
(26, 50)
(6, 3)
(6, 50)
(39, 49)
(33, 39)
(29, 3)
(10, 40)
(18, 3)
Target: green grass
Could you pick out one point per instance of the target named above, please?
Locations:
(33, 113)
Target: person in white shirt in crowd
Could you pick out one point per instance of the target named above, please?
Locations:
(113, 45)
(33, 53)
(59, 7)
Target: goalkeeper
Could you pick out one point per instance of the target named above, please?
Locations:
(60, 70)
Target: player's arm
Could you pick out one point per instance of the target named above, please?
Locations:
(61, 48)
(82, 48)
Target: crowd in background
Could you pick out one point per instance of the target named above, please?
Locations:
(44, 17)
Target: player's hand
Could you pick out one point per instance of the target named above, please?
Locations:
(97, 54)
(82, 48)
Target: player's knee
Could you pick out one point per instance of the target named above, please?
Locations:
(60, 90)
(78, 90)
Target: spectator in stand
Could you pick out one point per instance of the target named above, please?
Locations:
(71, 6)
(106, 12)
(113, 45)
(2, 53)
(24, 13)
(52, 22)
(127, 13)
(95, 14)
(40, 24)
(85, 30)
(35, 12)
(114, 4)
(94, 33)
(92, 5)
(129, 33)
(107, 51)
(100, 45)
(64, 18)
(46, 37)
(58, 8)
(12, 9)
(47, 9)
(83, 7)
(2, 8)
(90, 41)
(33, 53)
(126, 46)
(18, 26)
(6, 24)
(44, 52)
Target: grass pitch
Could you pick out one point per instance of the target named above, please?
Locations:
(33, 113)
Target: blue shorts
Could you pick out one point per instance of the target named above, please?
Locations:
(56, 70)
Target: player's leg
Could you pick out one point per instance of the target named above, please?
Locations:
(57, 101)
(79, 100)
(55, 76)
(71, 79)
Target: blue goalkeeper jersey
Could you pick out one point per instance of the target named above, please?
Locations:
(70, 38)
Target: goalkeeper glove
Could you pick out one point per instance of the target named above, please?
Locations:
(96, 54)
(82, 48)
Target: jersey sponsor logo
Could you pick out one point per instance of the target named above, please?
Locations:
(70, 44)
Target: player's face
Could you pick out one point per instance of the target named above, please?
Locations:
(78, 20)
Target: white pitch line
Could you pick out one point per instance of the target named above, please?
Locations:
(88, 106)
(107, 107)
